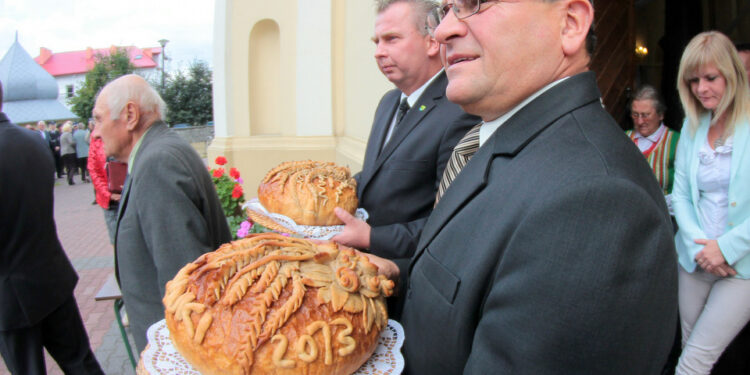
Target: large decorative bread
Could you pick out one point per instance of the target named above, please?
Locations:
(308, 191)
(270, 304)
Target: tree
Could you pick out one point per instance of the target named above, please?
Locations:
(106, 69)
(189, 96)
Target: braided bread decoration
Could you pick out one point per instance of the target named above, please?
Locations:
(308, 191)
(275, 304)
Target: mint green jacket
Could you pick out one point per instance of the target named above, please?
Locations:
(735, 242)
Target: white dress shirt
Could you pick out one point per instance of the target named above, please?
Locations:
(712, 178)
(489, 127)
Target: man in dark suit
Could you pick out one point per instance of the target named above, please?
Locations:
(41, 128)
(409, 145)
(54, 145)
(37, 306)
(551, 251)
(169, 212)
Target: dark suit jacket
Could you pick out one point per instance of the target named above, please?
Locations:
(54, 141)
(169, 215)
(36, 276)
(551, 252)
(397, 186)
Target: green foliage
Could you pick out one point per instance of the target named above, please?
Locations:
(106, 69)
(229, 189)
(189, 95)
(257, 228)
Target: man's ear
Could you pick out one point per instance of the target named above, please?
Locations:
(579, 14)
(132, 115)
(433, 47)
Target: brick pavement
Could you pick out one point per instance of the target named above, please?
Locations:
(83, 233)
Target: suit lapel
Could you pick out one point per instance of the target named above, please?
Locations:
(379, 130)
(155, 130)
(123, 199)
(508, 141)
(121, 211)
(410, 121)
(427, 101)
(468, 183)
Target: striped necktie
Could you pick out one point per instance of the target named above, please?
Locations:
(464, 150)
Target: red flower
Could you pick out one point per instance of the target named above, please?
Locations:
(218, 172)
(221, 160)
(237, 191)
(234, 173)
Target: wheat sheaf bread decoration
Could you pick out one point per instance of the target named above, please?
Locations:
(308, 191)
(270, 304)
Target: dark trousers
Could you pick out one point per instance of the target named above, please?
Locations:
(61, 333)
(83, 164)
(58, 163)
(69, 160)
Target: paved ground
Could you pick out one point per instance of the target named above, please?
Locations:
(81, 229)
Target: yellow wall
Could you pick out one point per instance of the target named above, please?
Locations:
(265, 100)
(278, 99)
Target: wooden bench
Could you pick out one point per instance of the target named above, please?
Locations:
(110, 291)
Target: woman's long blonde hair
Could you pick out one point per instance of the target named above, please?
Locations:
(714, 47)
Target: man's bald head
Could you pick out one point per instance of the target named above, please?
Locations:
(135, 89)
(124, 110)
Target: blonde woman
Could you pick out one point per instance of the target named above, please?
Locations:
(68, 151)
(711, 200)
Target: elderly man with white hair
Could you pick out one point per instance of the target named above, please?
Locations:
(169, 211)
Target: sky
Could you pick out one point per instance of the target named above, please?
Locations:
(74, 25)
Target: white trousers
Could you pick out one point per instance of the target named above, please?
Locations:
(712, 311)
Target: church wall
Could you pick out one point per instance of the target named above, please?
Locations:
(293, 80)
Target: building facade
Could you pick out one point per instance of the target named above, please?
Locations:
(69, 68)
(293, 80)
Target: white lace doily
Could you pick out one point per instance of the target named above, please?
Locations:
(160, 356)
(307, 231)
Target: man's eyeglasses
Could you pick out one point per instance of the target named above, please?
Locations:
(461, 9)
(636, 115)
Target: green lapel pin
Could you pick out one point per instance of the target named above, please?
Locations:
(422, 108)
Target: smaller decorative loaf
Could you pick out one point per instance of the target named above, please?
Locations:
(270, 304)
(308, 191)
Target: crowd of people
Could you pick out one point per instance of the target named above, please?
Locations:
(526, 232)
(69, 145)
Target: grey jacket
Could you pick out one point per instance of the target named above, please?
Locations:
(169, 215)
(67, 144)
(82, 143)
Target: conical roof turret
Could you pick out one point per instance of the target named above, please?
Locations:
(29, 92)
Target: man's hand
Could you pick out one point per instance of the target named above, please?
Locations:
(115, 197)
(356, 232)
(385, 267)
